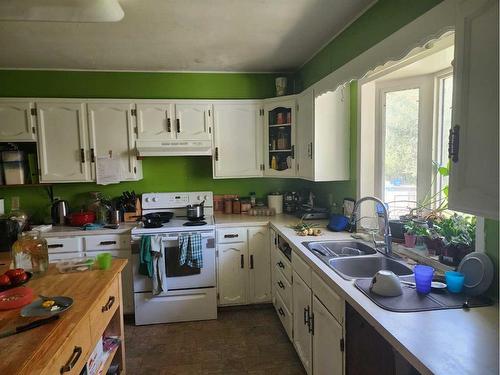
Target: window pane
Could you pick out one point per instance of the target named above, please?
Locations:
(401, 145)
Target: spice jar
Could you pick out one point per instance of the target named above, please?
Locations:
(228, 206)
(30, 252)
(236, 206)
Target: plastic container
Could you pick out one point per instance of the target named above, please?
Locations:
(454, 281)
(16, 298)
(30, 252)
(80, 264)
(104, 260)
(13, 167)
(423, 278)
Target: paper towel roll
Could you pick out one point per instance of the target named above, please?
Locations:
(275, 201)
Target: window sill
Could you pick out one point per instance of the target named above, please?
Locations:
(417, 257)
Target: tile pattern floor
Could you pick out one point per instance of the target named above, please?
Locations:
(240, 341)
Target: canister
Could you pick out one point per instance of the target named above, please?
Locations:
(275, 201)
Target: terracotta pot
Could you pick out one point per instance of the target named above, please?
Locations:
(410, 240)
(79, 219)
(434, 245)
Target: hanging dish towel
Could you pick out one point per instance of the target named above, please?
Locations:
(159, 277)
(190, 250)
(145, 257)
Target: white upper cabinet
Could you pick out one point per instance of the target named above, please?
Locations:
(237, 140)
(279, 137)
(16, 121)
(155, 121)
(259, 261)
(474, 174)
(193, 121)
(111, 128)
(305, 135)
(63, 142)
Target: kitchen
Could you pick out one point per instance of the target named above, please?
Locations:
(219, 135)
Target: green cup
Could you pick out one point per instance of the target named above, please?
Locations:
(104, 261)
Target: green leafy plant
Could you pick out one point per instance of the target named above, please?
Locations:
(415, 228)
(457, 230)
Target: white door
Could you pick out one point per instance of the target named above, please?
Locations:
(63, 142)
(112, 134)
(237, 140)
(474, 171)
(328, 357)
(155, 121)
(193, 121)
(302, 310)
(16, 121)
(305, 134)
(232, 273)
(259, 265)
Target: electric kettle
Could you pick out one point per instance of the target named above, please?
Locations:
(59, 211)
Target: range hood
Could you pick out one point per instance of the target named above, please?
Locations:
(174, 148)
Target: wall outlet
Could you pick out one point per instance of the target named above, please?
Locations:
(14, 203)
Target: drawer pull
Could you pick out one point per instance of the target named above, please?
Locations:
(281, 265)
(281, 285)
(104, 243)
(77, 352)
(281, 312)
(242, 257)
(54, 245)
(108, 304)
(230, 235)
(306, 315)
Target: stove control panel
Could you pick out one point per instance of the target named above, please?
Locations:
(176, 200)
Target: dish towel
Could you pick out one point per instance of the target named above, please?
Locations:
(159, 277)
(145, 257)
(190, 250)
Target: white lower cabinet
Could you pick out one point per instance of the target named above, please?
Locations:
(232, 274)
(260, 265)
(302, 328)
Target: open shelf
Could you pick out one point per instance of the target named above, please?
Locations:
(287, 150)
(279, 125)
(109, 360)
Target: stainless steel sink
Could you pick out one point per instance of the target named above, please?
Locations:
(367, 267)
(330, 249)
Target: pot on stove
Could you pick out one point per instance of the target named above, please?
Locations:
(195, 211)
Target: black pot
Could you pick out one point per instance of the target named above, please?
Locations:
(195, 211)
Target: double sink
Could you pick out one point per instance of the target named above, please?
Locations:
(355, 259)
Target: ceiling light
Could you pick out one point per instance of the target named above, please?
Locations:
(61, 10)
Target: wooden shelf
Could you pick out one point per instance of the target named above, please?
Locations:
(109, 360)
(279, 125)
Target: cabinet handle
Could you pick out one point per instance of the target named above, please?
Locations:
(217, 154)
(82, 155)
(54, 245)
(242, 259)
(281, 312)
(293, 152)
(453, 143)
(251, 262)
(281, 285)
(230, 235)
(311, 324)
(306, 315)
(107, 243)
(169, 125)
(92, 155)
(280, 264)
(109, 304)
(75, 355)
(178, 121)
(311, 151)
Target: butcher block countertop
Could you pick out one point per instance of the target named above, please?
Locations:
(43, 350)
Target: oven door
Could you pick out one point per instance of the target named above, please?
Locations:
(179, 277)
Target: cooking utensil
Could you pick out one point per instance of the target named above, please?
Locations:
(195, 211)
(26, 327)
(79, 219)
(478, 271)
(36, 309)
(152, 221)
(58, 211)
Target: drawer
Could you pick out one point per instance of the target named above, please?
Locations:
(228, 235)
(283, 287)
(284, 315)
(106, 242)
(72, 355)
(302, 268)
(104, 309)
(64, 244)
(331, 300)
(284, 265)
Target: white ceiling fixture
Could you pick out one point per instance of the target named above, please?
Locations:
(183, 35)
(61, 10)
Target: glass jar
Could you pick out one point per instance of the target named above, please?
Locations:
(30, 252)
(99, 207)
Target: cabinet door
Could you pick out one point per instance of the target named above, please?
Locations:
(154, 121)
(302, 310)
(16, 121)
(193, 121)
(474, 171)
(112, 132)
(328, 357)
(279, 139)
(232, 273)
(305, 134)
(63, 142)
(259, 265)
(237, 140)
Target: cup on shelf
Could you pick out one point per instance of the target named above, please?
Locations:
(423, 278)
(454, 281)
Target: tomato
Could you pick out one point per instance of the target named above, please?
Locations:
(20, 279)
(14, 273)
(4, 280)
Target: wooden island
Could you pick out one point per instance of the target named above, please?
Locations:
(64, 346)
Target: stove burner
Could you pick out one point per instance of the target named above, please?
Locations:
(195, 219)
(194, 223)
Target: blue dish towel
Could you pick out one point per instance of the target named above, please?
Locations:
(145, 257)
(190, 250)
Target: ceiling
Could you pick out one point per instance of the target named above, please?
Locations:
(184, 35)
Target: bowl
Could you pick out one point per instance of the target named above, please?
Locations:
(386, 283)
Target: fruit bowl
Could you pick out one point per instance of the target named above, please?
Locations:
(15, 285)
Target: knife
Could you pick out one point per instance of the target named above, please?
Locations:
(26, 327)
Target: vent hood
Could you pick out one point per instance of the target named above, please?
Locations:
(174, 148)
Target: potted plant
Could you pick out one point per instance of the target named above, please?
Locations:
(415, 234)
(410, 236)
(458, 234)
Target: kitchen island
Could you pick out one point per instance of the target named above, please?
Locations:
(64, 346)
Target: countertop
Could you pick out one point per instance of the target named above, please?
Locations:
(65, 230)
(451, 341)
(31, 351)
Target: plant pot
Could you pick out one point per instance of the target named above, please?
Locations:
(452, 254)
(410, 240)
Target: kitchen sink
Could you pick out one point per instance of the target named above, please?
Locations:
(330, 249)
(367, 267)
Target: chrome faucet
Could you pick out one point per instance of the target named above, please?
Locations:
(387, 243)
